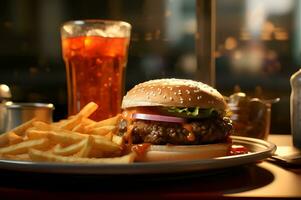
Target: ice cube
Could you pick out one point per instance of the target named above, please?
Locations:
(113, 31)
(110, 31)
(67, 29)
(96, 32)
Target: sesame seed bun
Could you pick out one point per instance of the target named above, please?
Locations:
(174, 92)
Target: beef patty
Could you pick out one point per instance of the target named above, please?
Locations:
(204, 131)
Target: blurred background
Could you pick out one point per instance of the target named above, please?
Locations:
(257, 46)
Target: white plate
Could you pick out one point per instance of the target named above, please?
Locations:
(259, 150)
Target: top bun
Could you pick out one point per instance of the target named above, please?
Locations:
(174, 92)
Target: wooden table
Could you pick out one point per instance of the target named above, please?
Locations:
(262, 180)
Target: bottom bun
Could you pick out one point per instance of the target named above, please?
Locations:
(157, 153)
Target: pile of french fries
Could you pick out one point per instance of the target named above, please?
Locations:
(77, 139)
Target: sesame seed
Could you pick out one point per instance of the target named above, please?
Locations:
(189, 99)
(170, 98)
(164, 96)
(187, 91)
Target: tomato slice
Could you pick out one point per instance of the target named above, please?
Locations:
(161, 118)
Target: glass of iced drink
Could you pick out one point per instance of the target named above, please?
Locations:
(95, 54)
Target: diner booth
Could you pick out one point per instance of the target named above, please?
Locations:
(248, 50)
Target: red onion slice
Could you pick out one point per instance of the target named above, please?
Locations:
(161, 118)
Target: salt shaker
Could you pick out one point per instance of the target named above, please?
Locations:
(295, 108)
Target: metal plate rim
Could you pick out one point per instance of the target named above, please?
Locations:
(267, 149)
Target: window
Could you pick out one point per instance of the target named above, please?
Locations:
(257, 46)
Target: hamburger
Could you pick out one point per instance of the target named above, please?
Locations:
(175, 119)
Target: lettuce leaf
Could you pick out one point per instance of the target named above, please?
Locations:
(192, 112)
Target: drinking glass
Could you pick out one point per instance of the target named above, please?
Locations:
(95, 55)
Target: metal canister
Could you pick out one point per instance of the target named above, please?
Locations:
(18, 113)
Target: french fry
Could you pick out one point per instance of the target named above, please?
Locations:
(23, 147)
(34, 134)
(54, 147)
(22, 157)
(77, 139)
(102, 130)
(13, 138)
(107, 122)
(61, 122)
(42, 126)
(102, 148)
(63, 136)
(71, 149)
(117, 139)
(87, 146)
(4, 139)
(79, 128)
(19, 130)
(38, 134)
(106, 146)
(109, 136)
(71, 123)
(37, 155)
(87, 121)
(88, 109)
(106, 137)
